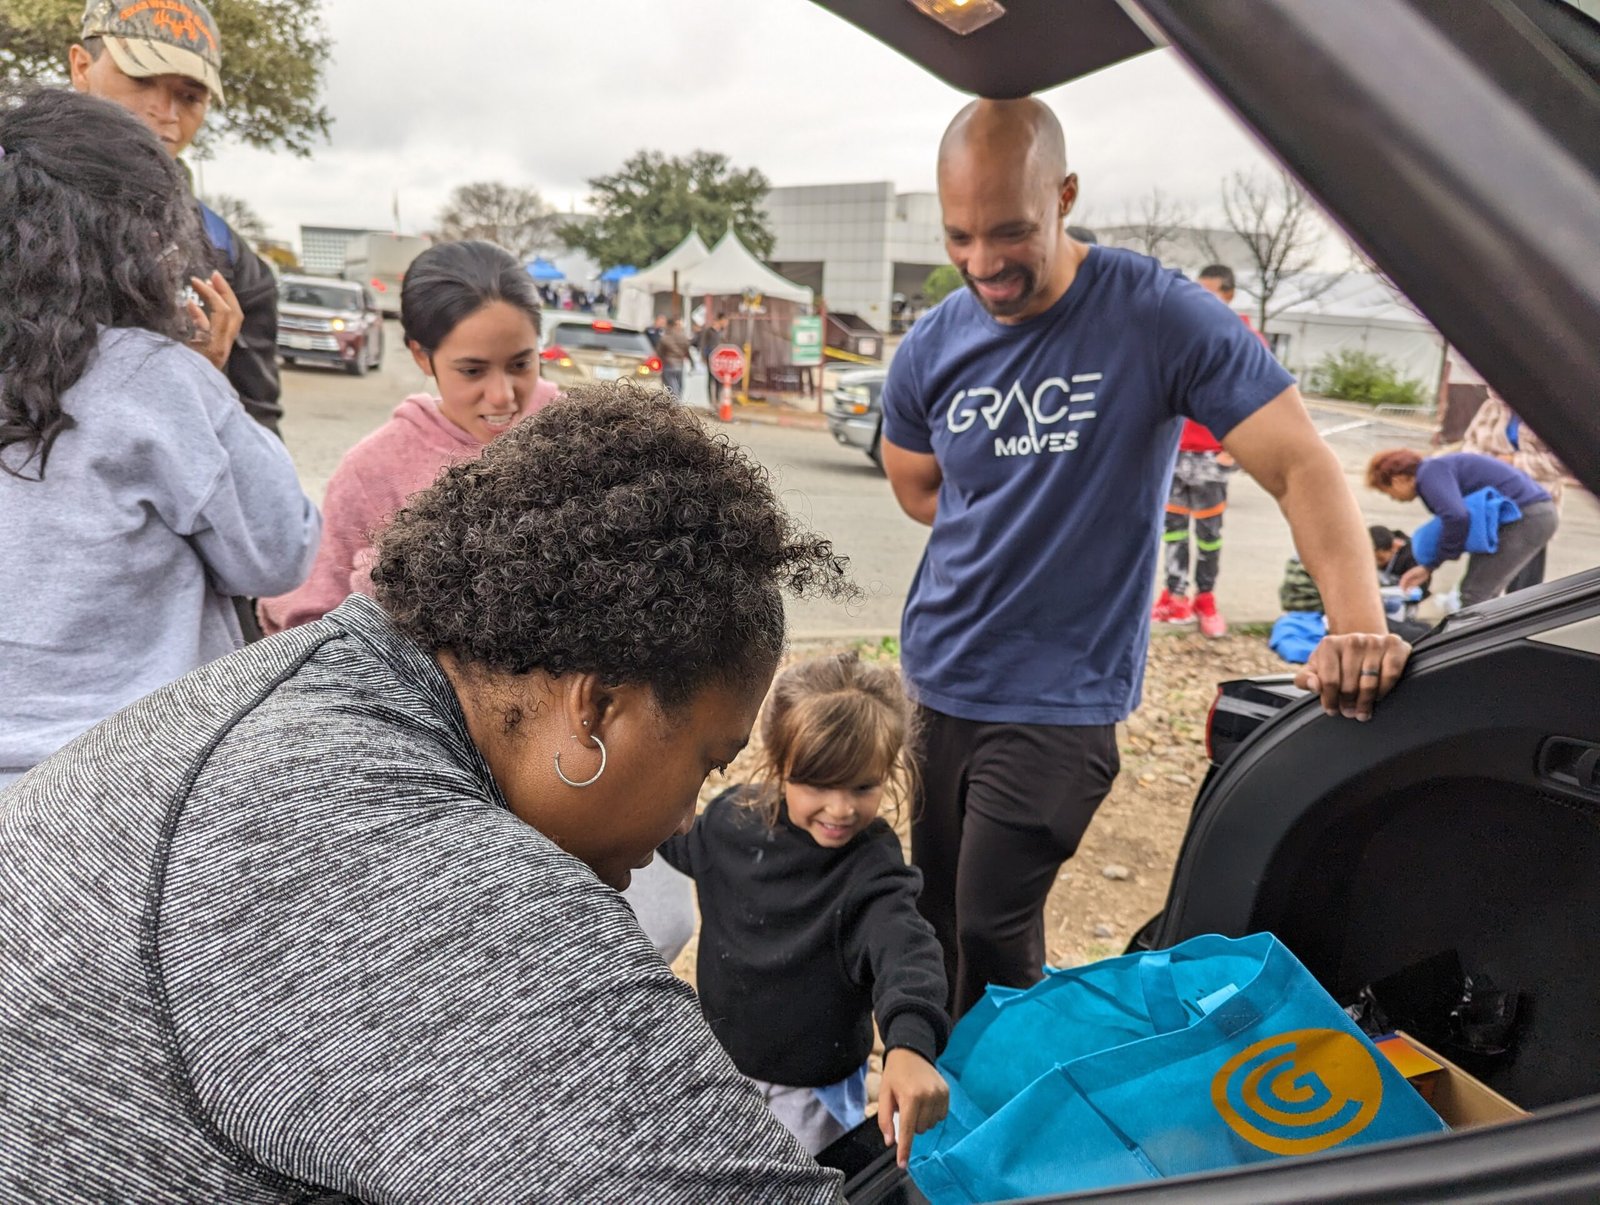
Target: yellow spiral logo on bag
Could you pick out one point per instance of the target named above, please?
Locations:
(1299, 1093)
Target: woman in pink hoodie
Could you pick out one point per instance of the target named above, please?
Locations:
(470, 314)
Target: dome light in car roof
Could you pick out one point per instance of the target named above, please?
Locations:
(961, 16)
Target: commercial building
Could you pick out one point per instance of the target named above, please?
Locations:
(858, 246)
(322, 247)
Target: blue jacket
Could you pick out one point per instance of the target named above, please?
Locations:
(1296, 634)
(1486, 511)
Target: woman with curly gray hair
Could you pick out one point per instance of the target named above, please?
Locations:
(136, 494)
(340, 914)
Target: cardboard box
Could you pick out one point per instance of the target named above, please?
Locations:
(1462, 1101)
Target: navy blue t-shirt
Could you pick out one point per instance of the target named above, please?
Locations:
(1056, 438)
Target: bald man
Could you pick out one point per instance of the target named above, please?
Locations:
(1032, 421)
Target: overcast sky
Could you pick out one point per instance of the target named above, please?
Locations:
(548, 93)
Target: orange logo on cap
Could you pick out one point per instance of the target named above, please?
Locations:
(177, 18)
(1300, 1092)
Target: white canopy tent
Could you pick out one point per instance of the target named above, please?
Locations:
(732, 269)
(727, 269)
(636, 294)
(657, 278)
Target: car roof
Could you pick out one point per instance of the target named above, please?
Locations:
(290, 279)
(1454, 143)
(550, 318)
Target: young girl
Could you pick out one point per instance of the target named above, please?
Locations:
(470, 314)
(136, 494)
(809, 922)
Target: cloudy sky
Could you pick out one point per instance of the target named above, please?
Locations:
(548, 93)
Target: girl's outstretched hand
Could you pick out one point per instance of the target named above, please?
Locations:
(913, 1089)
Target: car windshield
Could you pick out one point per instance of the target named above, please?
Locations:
(323, 297)
(582, 336)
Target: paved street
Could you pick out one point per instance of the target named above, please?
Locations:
(842, 495)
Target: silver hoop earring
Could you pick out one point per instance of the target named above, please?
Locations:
(589, 782)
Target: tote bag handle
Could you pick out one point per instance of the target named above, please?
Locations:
(1161, 1000)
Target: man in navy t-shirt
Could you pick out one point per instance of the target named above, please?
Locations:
(1032, 420)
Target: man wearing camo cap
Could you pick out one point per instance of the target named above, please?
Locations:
(162, 61)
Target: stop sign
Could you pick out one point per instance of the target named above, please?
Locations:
(727, 363)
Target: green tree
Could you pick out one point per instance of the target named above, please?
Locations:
(518, 219)
(273, 56)
(942, 281)
(651, 204)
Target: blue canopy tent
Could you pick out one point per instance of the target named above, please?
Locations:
(621, 272)
(544, 271)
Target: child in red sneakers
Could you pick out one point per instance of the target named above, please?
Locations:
(1199, 495)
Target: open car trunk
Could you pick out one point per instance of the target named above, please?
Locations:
(1463, 820)
(1459, 146)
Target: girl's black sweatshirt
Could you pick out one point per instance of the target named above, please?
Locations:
(800, 945)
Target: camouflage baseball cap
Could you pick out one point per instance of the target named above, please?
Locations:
(159, 37)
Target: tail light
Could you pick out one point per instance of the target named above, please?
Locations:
(653, 364)
(600, 324)
(1211, 719)
(553, 353)
(379, 286)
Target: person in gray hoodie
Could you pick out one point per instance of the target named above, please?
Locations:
(138, 495)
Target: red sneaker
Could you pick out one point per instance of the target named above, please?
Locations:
(1180, 611)
(1162, 611)
(1212, 624)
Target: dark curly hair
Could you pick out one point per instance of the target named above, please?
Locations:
(452, 281)
(98, 227)
(608, 534)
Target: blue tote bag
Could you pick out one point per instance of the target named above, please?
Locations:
(1215, 1053)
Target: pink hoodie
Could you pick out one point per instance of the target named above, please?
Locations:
(371, 484)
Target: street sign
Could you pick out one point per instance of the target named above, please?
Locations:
(727, 363)
(805, 342)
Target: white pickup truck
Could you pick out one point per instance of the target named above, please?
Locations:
(379, 261)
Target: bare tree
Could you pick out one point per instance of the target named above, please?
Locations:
(239, 214)
(1155, 223)
(518, 219)
(1281, 232)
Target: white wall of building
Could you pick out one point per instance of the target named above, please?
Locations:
(857, 232)
(917, 236)
(1417, 352)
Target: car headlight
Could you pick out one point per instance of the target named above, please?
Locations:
(337, 324)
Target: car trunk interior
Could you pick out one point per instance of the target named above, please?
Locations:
(1497, 872)
(1441, 829)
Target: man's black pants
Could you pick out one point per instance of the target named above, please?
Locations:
(1001, 807)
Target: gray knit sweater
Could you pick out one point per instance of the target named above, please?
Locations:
(271, 934)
